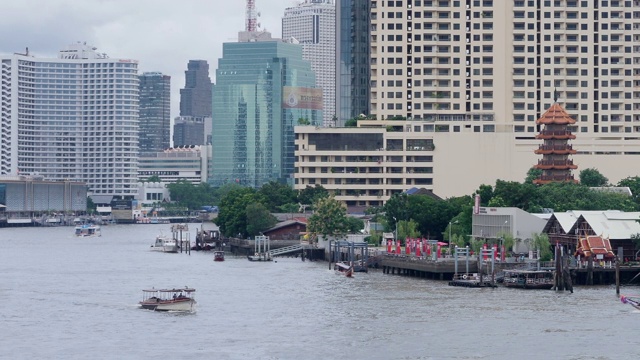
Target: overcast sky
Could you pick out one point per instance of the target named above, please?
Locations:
(163, 35)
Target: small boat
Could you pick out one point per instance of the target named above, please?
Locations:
(529, 279)
(260, 257)
(169, 300)
(218, 255)
(165, 244)
(635, 301)
(88, 230)
(342, 268)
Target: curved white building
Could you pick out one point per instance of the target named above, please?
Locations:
(74, 117)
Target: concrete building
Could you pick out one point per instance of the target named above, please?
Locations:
(189, 163)
(191, 130)
(457, 158)
(353, 56)
(313, 24)
(155, 112)
(23, 198)
(71, 118)
(263, 88)
(195, 98)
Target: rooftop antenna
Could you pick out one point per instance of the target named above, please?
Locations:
(252, 16)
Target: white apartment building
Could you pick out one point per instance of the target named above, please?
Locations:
(74, 117)
(190, 163)
(502, 63)
(313, 24)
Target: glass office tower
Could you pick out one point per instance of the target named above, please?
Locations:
(263, 89)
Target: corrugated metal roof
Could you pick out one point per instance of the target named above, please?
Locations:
(613, 224)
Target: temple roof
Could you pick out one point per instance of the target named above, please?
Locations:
(555, 115)
(595, 245)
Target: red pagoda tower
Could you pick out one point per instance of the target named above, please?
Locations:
(555, 164)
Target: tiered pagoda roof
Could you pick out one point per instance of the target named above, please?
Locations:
(555, 164)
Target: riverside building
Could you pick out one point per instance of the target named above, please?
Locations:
(475, 75)
(263, 89)
(71, 118)
(313, 24)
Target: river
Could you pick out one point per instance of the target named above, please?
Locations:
(64, 297)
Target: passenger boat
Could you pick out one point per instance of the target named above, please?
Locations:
(342, 268)
(633, 301)
(88, 230)
(529, 279)
(169, 300)
(165, 244)
(218, 255)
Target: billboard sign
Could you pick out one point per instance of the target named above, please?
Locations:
(301, 98)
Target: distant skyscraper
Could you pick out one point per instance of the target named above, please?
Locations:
(313, 24)
(191, 130)
(195, 98)
(263, 88)
(155, 114)
(73, 117)
(353, 58)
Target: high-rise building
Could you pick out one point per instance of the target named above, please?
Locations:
(195, 98)
(313, 24)
(352, 58)
(74, 117)
(155, 112)
(191, 130)
(500, 62)
(263, 89)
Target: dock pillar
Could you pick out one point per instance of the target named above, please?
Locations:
(590, 271)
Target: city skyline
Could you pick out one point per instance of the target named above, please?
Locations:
(162, 35)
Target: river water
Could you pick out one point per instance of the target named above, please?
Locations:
(63, 297)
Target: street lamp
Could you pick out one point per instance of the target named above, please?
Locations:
(396, 221)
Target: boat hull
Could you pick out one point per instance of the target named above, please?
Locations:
(187, 305)
(167, 249)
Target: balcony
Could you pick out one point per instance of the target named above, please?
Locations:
(556, 164)
(562, 135)
(555, 149)
(545, 179)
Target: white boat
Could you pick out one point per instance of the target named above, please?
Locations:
(169, 300)
(165, 244)
(88, 230)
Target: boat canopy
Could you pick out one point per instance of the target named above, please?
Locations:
(188, 290)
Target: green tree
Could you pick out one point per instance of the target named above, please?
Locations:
(486, 193)
(261, 219)
(153, 178)
(329, 218)
(592, 178)
(309, 195)
(232, 217)
(458, 240)
(408, 229)
(303, 121)
(289, 208)
(532, 174)
(354, 225)
(277, 194)
(91, 206)
(508, 240)
(541, 243)
(633, 183)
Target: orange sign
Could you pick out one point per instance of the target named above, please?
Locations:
(301, 98)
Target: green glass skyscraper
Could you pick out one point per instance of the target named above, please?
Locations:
(263, 89)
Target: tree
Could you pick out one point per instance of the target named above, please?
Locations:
(261, 219)
(532, 174)
(329, 218)
(508, 240)
(303, 121)
(91, 206)
(277, 194)
(486, 193)
(541, 243)
(633, 183)
(408, 229)
(309, 195)
(351, 123)
(153, 178)
(232, 217)
(354, 225)
(592, 178)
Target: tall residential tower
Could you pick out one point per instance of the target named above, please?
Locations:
(313, 24)
(155, 114)
(74, 117)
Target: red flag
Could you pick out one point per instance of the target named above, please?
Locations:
(439, 252)
(418, 253)
(398, 247)
(389, 247)
(484, 255)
